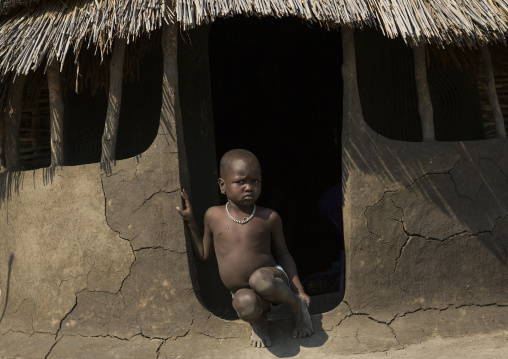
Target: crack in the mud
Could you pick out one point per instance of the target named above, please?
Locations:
(28, 333)
(187, 332)
(153, 195)
(160, 247)
(449, 306)
(130, 269)
(119, 235)
(498, 167)
(400, 253)
(159, 348)
(51, 349)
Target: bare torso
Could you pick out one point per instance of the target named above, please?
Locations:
(241, 248)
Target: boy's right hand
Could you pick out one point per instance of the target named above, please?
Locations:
(186, 213)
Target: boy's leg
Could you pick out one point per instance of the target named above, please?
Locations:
(252, 308)
(271, 284)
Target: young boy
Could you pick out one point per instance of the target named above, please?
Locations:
(254, 262)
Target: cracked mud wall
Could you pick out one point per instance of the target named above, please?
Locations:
(100, 258)
(60, 247)
(426, 224)
(102, 254)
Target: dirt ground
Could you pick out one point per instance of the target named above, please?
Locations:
(484, 346)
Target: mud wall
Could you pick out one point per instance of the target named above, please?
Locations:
(86, 252)
(426, 224)
(94, 261)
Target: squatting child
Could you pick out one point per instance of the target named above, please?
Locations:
(254, 262)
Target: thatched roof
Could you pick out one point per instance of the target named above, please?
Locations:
(31, 36)
(438, 21)
(6, 6)
(43, 29)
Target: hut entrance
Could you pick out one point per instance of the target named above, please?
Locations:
(277, 91)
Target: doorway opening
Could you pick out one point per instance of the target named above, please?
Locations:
(277, 91)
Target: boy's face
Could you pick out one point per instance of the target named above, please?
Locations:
(242, 182)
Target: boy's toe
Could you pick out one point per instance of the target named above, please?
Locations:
(258, 343)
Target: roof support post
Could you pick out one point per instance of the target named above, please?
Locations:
(2, 140)
(56, 113)
(422, 87)
(110, 134)
(12, 115)
(171, 115)
(491, 92)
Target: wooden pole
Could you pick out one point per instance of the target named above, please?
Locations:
(422, 87)
(56, 111)
(171, 114)
(12, 116)
(2, 141)
(491, 92)
(114, 102)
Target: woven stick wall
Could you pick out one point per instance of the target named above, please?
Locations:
(34, 135)
(501, 77)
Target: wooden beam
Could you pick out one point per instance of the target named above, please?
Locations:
(422, 88)
(491, 92)
(56, 113)
(12, 117)
(110, 134)
(2, 140)
(171, 115)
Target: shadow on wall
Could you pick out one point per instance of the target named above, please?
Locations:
(284, 346)
(422, 193)
(7, 285)
(436, 190)
(12, 182)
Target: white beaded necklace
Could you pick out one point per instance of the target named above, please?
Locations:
(245, 219)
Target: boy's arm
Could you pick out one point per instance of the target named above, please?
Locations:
(284, 258)
(202, 245)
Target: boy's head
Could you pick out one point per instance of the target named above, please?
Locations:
(240, 176)
(226, 162)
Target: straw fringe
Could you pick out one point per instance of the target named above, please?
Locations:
(55, 27)
(443, 22)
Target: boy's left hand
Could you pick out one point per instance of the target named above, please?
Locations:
(306, 297)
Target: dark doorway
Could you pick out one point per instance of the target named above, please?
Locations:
(277, 91)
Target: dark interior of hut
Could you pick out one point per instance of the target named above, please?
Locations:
(139, 118)
(277, 91)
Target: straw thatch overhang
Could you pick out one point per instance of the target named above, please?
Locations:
(461, 22)
(54, 28)
(34, 31)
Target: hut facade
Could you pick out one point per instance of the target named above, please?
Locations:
(109, 107)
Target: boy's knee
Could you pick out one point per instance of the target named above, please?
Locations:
(247, 306)
(262, 281)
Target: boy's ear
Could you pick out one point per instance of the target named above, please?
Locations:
(221, 184)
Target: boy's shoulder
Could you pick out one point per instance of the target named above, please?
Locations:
(215, 211)
(267, 213)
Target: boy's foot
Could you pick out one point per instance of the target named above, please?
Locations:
(260, 336)
(303, 323)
